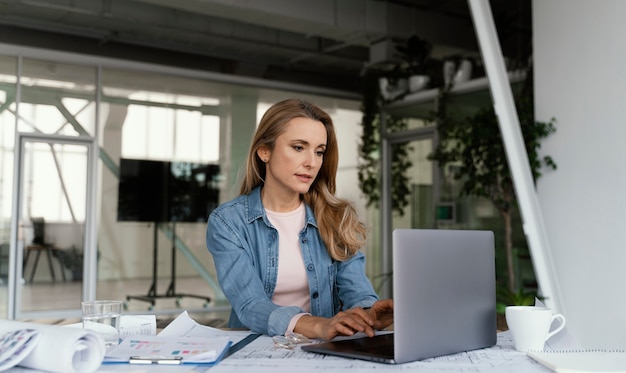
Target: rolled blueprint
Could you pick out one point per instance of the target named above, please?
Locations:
(60, 349)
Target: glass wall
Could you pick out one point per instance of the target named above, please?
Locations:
(158, 120)
(52, 221)
(141, 114)
(53, 104)
(8, 78)
(57, 98)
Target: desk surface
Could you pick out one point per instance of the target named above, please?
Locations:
(261, 356)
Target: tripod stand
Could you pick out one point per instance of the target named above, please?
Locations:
(153, 295)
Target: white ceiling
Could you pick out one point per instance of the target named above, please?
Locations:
(319, 42)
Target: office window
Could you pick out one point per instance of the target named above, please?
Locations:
(163, 117)
(170, 134)
(55, 99)
(54, 189)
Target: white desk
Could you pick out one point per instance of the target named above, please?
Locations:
(260, 356)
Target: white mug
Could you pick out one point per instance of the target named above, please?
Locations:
(530, 326)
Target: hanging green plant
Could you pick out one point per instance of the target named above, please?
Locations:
(370, 148)
(412, 57)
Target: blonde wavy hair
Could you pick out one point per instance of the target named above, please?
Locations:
(341, 230)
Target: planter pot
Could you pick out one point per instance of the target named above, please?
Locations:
(418, 82)
(391, 91)
(462, 74)
(501, 324)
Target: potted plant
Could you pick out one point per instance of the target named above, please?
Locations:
(505, 297)
(391, 79)
(457, 69)
(415, 54)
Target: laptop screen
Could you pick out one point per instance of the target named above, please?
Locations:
(444, 288)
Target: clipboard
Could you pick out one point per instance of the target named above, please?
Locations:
(168, 350)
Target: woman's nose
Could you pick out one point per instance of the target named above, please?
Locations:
(313, 160)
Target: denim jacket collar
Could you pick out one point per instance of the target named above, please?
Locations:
(255, 209)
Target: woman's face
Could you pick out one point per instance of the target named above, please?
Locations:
(297, 157)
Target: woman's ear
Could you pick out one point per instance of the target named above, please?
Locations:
(263, 153)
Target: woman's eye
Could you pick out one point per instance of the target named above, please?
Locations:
(298, 148)
(320, 153)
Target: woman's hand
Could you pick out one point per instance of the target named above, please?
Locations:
(344, 323)
(381, 313)
(349, 322)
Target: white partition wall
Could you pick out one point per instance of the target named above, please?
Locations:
(580, 55)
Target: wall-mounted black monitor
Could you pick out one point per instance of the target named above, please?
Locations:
(154, 191)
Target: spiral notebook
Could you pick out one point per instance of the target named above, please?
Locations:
(582, 361)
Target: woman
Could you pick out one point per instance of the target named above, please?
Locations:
(287, 249)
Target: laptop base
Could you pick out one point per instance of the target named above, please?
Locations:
(378, 348)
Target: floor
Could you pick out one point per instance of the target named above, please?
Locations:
(190, 296)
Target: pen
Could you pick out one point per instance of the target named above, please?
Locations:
(155, 360)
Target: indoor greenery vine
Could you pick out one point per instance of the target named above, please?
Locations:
(412, 57)
(370, 148)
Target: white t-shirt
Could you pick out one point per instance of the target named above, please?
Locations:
(292, 285)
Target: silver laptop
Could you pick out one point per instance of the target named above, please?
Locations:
(444, 294)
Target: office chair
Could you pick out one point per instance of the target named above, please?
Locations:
(38, 245)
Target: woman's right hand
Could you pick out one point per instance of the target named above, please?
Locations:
(344, 323)
(382, 313)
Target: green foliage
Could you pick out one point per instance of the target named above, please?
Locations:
(370, 149)
(506, 297)
(476, 144)
(370, 165)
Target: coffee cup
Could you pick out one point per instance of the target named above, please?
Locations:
(530, 326)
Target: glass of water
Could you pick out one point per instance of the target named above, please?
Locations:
(103, 318)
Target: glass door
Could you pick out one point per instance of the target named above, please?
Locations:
(420, 184)
(52, 221)
(411, 183)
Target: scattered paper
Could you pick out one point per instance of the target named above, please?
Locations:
(185, 326)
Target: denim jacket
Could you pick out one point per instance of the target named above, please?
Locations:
(244, 245)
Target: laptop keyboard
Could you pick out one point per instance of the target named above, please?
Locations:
(379, 345)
